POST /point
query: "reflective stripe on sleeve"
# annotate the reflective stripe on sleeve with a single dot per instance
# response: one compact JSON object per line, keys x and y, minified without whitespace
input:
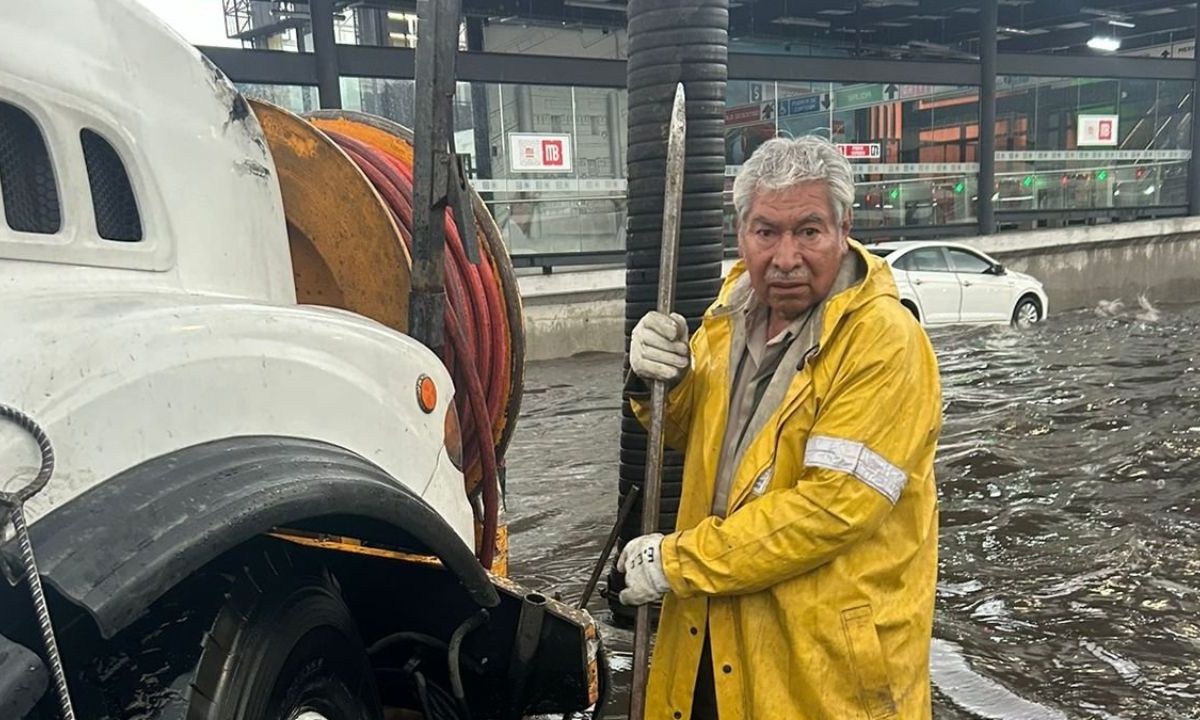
{"x":858,"y":460}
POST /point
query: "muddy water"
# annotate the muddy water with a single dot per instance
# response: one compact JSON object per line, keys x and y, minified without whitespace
{"x":1069,"y":476}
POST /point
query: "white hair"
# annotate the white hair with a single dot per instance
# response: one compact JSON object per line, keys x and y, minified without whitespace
{"x":781,"y":163}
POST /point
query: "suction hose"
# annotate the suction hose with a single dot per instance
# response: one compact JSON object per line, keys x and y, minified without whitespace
{"x":477,"y":350}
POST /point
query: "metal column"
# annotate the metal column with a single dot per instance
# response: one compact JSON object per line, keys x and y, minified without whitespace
{"x":325,"y":52}
{"x":1194,"y":163}
{"x":437,"y":50}
{"x":988,"y":18}
{"x":480,"y":113}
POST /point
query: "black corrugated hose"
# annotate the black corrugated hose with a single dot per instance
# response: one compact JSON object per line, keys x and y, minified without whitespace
{"x":671,"y":41}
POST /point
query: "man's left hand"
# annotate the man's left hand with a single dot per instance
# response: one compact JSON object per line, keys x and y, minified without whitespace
{"x":641,"y":560}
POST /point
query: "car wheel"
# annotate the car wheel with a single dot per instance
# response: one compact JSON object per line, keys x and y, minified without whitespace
{"x":1027,"y":313}
{"x":284,"y":647}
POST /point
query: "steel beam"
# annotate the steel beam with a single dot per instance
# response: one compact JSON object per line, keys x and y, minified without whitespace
{"x":270,"y":67}
{"x":849,"y":70}
{"x":986,"y":209}
{"x":1107,"y":66}
{"x":325,"y":52}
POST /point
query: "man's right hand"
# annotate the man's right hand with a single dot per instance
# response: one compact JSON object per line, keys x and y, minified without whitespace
{"x":658,"y":348}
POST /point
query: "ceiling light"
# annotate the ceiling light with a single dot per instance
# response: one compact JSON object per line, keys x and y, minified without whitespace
{"x":835,"y":11}
{"x":1072,"y":25}
{"x":1105,"y":43}
{"x":1157,"y":11}
{"x":892,"y":24}
{"x":1012,"y":31}
{"x":1121,"y":23}
{"x":802,"y":22}
{"x":400,"y":16}
{"x":593,"y":5}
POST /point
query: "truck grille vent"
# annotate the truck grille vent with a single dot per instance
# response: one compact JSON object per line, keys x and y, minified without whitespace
{"x":27,"y":183}
{"x":116,"y":208}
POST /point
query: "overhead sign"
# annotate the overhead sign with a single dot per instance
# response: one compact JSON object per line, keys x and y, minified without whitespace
{"x":860,"y":151}
{"x":801,"y":105}
{"x":857,"y":96}
{"x":537,"y":152}
{"x":743,"y":115}
{"x":1097,"y":130}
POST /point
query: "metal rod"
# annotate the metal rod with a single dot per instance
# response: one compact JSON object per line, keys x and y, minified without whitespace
{"x":1193,"y":175}
{"x":989,"y":10}
{"x":652,"y":490}
{"x":627,"y":506}
{"x":437,"y":49}
{"x":329,"y":88}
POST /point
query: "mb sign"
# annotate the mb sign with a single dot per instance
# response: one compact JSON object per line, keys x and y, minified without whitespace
{"x":537,"y":152}
{"x":860,"y":151}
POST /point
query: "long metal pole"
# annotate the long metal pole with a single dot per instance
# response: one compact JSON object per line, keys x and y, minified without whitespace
{"x":1194,"y":163}
{"x":329,"y":87}
{"x":988,"y":18}
{"x":652,"y":489}
{"x":437,"y":50}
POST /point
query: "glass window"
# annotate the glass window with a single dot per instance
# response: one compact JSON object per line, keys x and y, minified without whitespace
{"x":1080,"y":143}
{"x":967,"y":262}
{"x":924,"y":260}
{"x":296,"y":98}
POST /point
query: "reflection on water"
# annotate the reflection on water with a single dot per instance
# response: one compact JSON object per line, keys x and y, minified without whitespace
{"x":1069,"y":475}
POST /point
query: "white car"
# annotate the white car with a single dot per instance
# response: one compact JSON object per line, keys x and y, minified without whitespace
{"x":945,"y":283}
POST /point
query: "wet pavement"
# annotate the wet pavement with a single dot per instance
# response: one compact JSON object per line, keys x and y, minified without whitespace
{"x":1069,"y":476}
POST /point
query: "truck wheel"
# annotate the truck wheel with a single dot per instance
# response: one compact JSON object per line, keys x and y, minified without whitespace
{"x":284,"y":647}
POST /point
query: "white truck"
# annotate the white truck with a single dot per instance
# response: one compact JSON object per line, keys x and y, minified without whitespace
{"x":252,"y":515}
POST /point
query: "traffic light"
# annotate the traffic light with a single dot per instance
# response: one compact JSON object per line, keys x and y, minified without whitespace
{"x":959,"y":187}
{"x":1028,"y":181}
{"x":1102,"y":175}
{"x":895,"y":193}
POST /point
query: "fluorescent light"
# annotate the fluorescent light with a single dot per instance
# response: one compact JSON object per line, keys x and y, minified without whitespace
{"x":1105,"y":43}
{"x":1148,"y":191}
{"x":1122,"y":23}
{"x":593,"y":5}
{"x":803,"y":22}
{"x":835,"y":11}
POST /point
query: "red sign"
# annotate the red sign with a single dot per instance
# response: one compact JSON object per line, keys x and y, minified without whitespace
{"x":869,"y":151}
{"x":738,"y":116}
{"x":552,"y":153}
{"x":1106,"y":130}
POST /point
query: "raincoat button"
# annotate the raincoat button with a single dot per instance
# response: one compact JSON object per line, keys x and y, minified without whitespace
{"x":695,"y":631}
{"x":728,"y":669}
{"x":678,"y":715}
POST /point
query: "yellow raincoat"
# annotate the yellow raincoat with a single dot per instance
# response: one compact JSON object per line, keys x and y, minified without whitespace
{"x":818,"y":586}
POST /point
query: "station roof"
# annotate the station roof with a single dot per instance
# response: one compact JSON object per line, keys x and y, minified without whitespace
{"x":947,"y":29}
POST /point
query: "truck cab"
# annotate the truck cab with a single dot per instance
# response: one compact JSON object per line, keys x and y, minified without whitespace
{"x":274,"y":486}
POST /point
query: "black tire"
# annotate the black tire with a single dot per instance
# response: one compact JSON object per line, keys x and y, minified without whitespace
{"x":636,"y":259}
{"x":651,"y":240}
{"x":658,"y":131}
{"x":657,"y":167}
{"x":1027,"y":307}
{"x":685,"y":273}
{"x":284,"y":642}
{"x":693,"y":290}
{"x":660,"y":112}
{"x":678,"y":36}
{"x":716,"y":15}
{"x":690,"y":219}
{"x":692,"y":185}
{"x":637,"y":206}
{"x":715,"y":54}
{"x":665,"y":92}
{"x":657,"y":150}
{"x":674,"y":73}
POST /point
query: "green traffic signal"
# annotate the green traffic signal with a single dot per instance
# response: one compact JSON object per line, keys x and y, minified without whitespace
{"x":959,"y":187}
{"x":895,"y":193}
{"x":1027,"y":181}
{"x":1102,"y":175}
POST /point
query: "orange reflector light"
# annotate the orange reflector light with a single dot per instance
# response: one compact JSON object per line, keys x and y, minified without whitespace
{"x":426,"y":393}
{"x":453,"y":437}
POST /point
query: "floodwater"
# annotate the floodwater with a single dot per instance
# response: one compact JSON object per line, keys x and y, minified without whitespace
{"x":1069,"y":477}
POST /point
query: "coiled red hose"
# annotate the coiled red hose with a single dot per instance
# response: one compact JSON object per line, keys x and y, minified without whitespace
{"x":476,"y":348}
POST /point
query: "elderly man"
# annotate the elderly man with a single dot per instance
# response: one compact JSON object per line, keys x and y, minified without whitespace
{"x":800,"y":581}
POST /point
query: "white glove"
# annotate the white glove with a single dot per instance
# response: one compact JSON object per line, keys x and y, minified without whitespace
{"x":658,"y":348}
{"x":645,"y":581}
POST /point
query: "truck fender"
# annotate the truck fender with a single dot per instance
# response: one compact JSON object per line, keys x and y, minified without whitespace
{"x":121,"y":545}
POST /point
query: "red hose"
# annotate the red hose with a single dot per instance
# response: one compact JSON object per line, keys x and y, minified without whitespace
{"x":476,"y":348}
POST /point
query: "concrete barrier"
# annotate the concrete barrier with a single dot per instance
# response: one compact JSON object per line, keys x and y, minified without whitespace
{"x":584,"y":310}
{"x":1081,"y":266}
